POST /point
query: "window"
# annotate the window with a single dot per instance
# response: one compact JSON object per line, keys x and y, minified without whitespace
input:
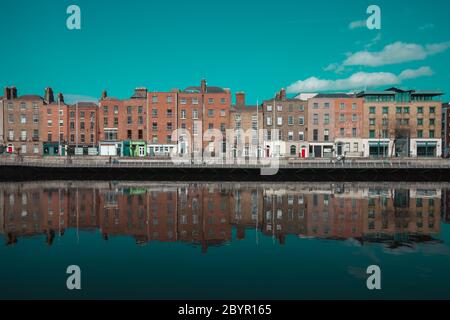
{"x":432,"y":122}
{"x":36,"y":148}
{"x":398,"y":110}
{"x":155,"y":126}
{"x":269,"y":121}
{"x":372,"y":134}
{"x":82,"y":114}
{"x":301,"y":108}
{"x":210,"y":100}
{"x":327,"y":105}
{"x":385,"y":110}
{"x":105,"y":121}
{"x":35,"y":118}
{"x":326,"y":118}
{"x":280,"y":121}
{"x":372,"y":110}
{"x":279,"y":108}
{"x":222,"y":127}
{"x":169,"y":138}
{"x":23,"y":106}
{"x":35,"y":134}
{"x":154,"y":113}
{"x":169,"y":99}
{"x":140,"y":110}
{"x":290,"y":136}
{"x":82,"y":138}
{"x":82,"y":126}
{"x":301,"y":121}
{"x":326,"y":135}
{"x":154,"y":99}
{"x":315,"y":105}
{"x":72,"y":114}
{"x":301,"y":136}
{"x":194,"y":100}
{"x":293,"y":150}
{"x":116,"y":109}
{"x":11,"y":134}
{"x":129,"y":120}
{"x":341,"y":132}
{"x":223,"y":100}
{"x":431,"y":134}
{"x":10,"y":118}
{"x":419,"y":133}
{"x":49,"y":136}
{"x":420,"y":110}
{"x":129,"y":134}
{"x":291,"y":108}
{"x":432,"y":110}
{"x":169,"y":126}
{"x":72,"y":125}
{"x":116,"y":121}
{"x":140,"y":134}
{"x":183,"y":113}
{"x":406,"y":110}
{"x":342,"y":117}
{"x":371,"y":122}
{"x":269,"y":108}
{"x":354,"y":106}
{"x":194,"y":114}
{"x":23,"y":119}
{"x":72,"y":138}
{"x":23,"y":148}
{"x":169,"y":112}
{"x":10,"y":106}
{"x":23,"y":135}
{"x":342,"y":106}
{"x":183,"y":100}
{"x":210,"y":126}
{"x":354,"y":117}
{"x":315,"y":135}
{"x":420,"y":122}
{"x":222,"y":113}
{"x":141,"y":120}
{"x":315,"y":118}
{"x":354,"y":132}
{"x":105,"y":109}
{"x":290,"y":120}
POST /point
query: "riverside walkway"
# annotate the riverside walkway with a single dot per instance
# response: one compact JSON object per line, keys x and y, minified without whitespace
{"x":284,"y":170}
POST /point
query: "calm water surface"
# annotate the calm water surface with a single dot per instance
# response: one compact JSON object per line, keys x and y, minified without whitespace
{"x":159,"y":240}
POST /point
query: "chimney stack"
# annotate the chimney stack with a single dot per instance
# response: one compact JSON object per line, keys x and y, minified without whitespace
{"x":240,"y":99}
{"x":203,"y":86}
{"x":140,"y":92}
{"x":61,"y":97}
{"x":49,"y":98}
{"x":7,"y":93}
{"x":104,"y":94}
{"x":283,"y":94}
{"x":13,"y":92}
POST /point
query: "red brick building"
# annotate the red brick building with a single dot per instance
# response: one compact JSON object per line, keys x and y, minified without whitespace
{"x":21,"y":122}
{"x":83,"y":132}
{"x":122,"y":124}
{"x":53,"y":124}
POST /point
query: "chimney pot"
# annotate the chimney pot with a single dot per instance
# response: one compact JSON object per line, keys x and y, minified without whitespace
{"x":13,"y":93}
{"x":240,"y":99}
{"x":203,"y":86}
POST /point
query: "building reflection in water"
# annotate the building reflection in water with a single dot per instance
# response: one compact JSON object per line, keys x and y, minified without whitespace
{"x":204,"y":214}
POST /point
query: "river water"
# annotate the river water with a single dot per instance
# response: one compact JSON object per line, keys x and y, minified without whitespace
{"x":244,"y":240}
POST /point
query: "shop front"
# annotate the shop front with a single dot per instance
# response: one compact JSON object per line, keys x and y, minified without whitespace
{"x":426,"y":148}
{"x":134,"y":149}
{"x":379,"y":148}
{"x":113,"y":149}
{"x":323,"y":150}
{"x":51,"y":148}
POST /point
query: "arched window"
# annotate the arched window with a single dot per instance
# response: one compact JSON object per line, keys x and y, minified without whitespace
{"x":293,"y":150}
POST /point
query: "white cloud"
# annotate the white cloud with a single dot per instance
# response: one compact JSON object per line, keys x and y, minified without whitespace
{"x":357,"y":24}
{"x":74,"y":98}
{"x":428,"y":26}
{"x":412,"y":74}
{"x":373,"y":41}
{"x":395,"y":53}
{"x":358,"y":80}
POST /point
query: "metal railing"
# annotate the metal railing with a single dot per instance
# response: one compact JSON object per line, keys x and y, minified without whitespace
{"x":280,"y":163}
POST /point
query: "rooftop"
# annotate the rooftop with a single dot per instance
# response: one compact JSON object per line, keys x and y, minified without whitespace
{"x":30,"y":97}
{"x":333,"y":95}
{"x":208,"y":90}
{"x":394,"y":91}
{"x":240,"y":108}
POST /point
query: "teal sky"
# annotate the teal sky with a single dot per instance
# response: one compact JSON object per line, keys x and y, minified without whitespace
{"x":254,"y":46}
